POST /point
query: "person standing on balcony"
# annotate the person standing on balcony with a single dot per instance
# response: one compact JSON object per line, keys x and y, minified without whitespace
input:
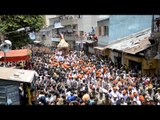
{"x":93,"y":31}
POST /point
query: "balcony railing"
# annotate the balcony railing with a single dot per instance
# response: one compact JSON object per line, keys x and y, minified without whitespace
{"x":69,"y":22}
{"x":70,"y":37}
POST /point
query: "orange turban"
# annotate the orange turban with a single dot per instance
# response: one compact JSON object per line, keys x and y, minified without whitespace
{"x":130,"y":87}
{"x":86,"y":97}
{"x":115,"y":81}
{"x":141,"y":98}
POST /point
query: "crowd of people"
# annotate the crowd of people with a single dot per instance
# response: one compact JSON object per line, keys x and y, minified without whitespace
{"x":78,"y":79}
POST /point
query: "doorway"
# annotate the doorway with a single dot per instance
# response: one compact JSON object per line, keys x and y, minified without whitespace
{"x":117,"y":61}
{"x":135,"y":66}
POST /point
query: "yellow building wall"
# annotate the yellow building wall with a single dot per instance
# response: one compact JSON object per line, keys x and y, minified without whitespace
{"x":133,"y":58}
{"x":106,"y":52}
{"x":150,"y":66}
{"x":147,"y":66}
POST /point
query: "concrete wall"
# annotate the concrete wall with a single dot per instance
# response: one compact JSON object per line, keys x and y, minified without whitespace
{"x":86,"y":22}
{"x":124,"y":25}
{"x":47,"y":17}
{"x":148,"y":67}
{"x":102,"y":40}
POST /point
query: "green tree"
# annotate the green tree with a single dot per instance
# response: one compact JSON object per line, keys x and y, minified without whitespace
{"x":10,"y":23}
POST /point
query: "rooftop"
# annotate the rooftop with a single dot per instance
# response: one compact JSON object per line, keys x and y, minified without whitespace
{"x":17,"y":75}
{"x":132,"y":44}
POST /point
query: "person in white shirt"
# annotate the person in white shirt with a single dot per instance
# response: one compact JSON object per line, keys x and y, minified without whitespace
{"x":114,"y":100}
{"x":101,"y":98}
{"x":122,"y":102}
{"x":115,"y":92}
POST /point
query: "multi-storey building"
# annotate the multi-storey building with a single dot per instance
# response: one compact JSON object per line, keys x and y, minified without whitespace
{"x":119,"y":26}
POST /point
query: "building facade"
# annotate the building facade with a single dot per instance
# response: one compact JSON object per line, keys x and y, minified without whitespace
{"x":154,"y":39}
{"x":119,"y":26}
{"x":73,"y":27}
{"x":124,"y":25}
{"x":47,"y":18}
{"x":102,"y":32}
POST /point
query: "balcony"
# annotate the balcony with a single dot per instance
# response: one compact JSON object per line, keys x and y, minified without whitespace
{"x":70,"y":37}
{"x":66,"y":22}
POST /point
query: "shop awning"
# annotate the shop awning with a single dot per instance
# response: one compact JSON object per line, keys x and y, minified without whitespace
{"x":16,"y":55}
{"x":17,"y":75}
{"x":132,"y":44}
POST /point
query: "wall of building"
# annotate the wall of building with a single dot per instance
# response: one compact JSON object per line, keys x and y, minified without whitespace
{"x":124,"y":25}
{"x":148,"y":67}
{"x":86,"y":22}
{"x":102,"y":39}
{"x":53,"y":20}
{"x":47,"y":17}
{"x":113,"y":54}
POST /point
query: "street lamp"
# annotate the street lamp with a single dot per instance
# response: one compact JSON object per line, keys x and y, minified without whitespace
{"x":19,"y":30}
{"x":5,"y":47}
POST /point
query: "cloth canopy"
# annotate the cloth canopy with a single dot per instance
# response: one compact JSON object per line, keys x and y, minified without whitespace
{"x":16,"y":55}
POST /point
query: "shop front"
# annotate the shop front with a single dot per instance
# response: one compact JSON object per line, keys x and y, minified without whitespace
{"x":99,"y":51}
{"x":147,"y":67}
{"x":10,"y":82}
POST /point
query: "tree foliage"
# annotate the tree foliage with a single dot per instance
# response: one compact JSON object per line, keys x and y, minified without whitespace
{"x":10,"y":23}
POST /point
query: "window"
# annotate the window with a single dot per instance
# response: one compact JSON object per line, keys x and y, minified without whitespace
{"x":81,"y":33}
{"x":74,"y":26}
{"x":100,"y":31}
{"x":105,"y":28}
